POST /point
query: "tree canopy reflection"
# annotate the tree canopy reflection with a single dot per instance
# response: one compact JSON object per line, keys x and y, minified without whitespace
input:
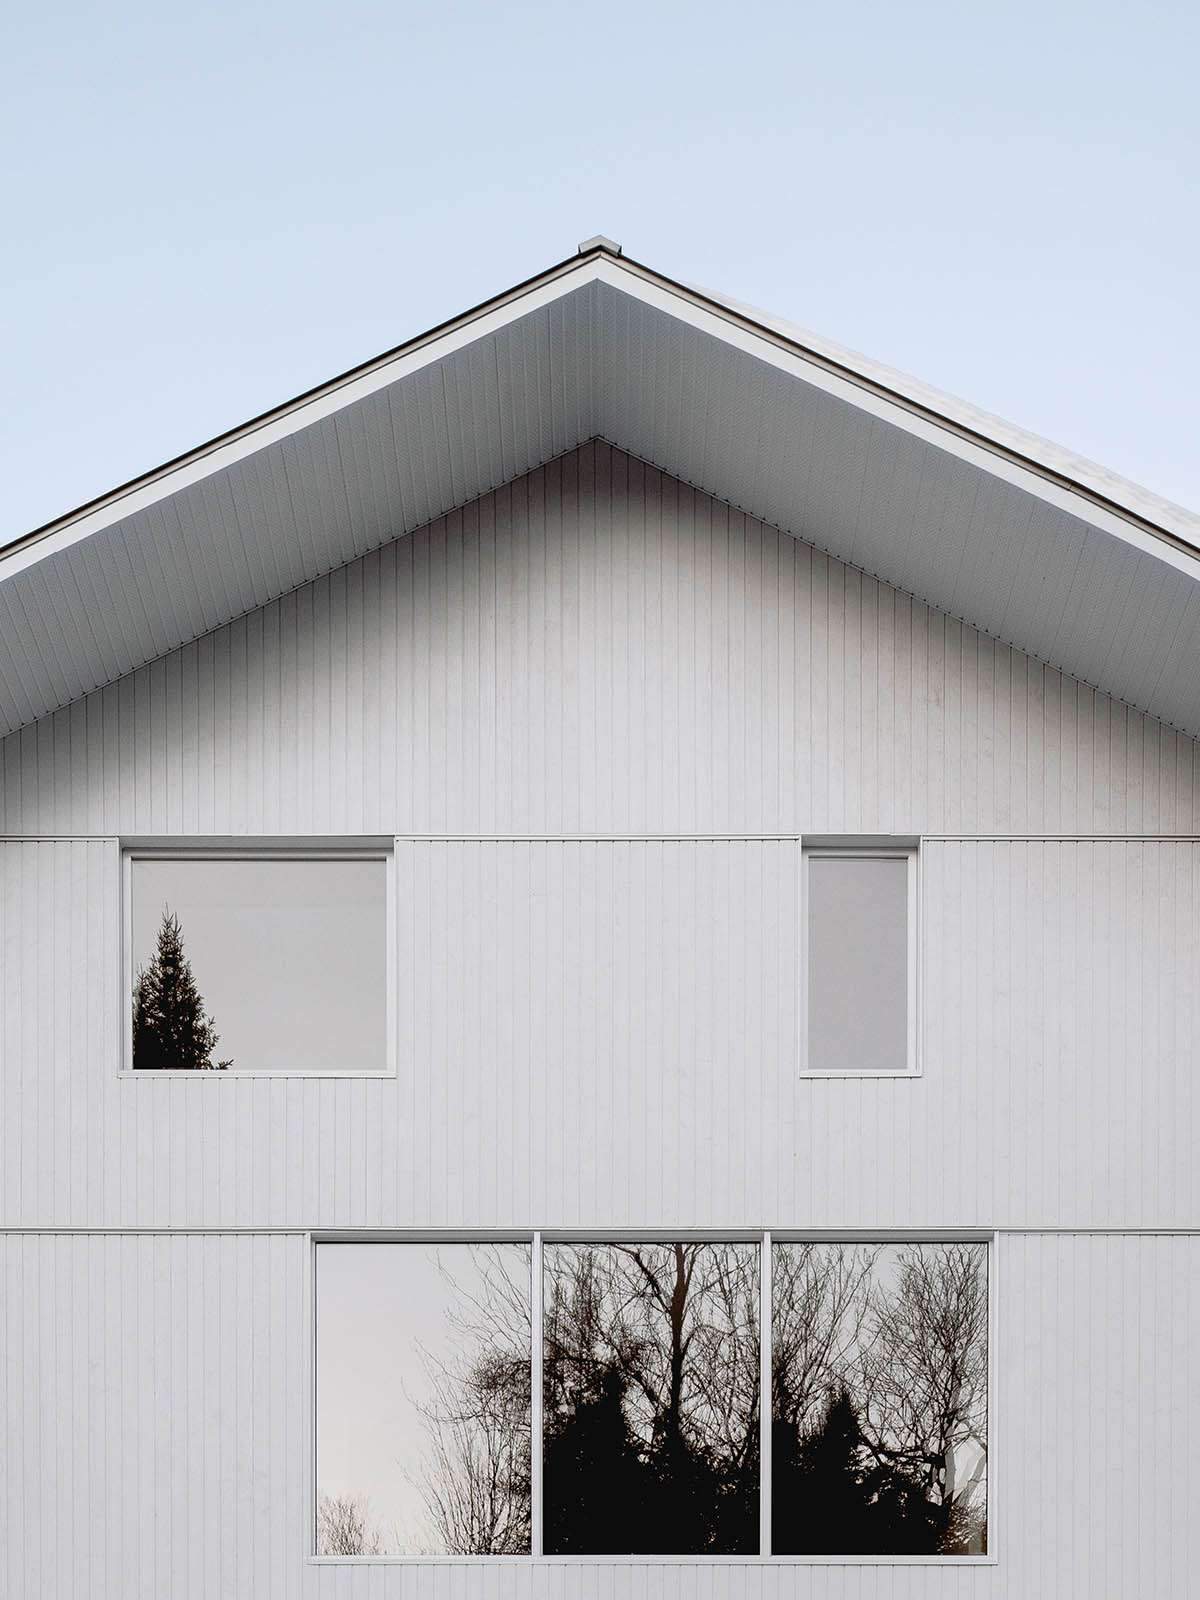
{"x":651,"y":1393}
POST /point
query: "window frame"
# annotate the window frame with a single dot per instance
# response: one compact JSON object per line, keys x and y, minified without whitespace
{"x":766,"y":1239}
{"x":866,"y":850}
{"x":249,"y":850}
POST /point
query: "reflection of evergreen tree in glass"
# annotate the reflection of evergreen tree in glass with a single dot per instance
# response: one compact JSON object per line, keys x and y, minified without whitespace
{"x":834,"y":1495}
{"x":171,"y":1029}
{"x":600,"y":1497}
{"x":650,"y":1392}
{"x":820,"y":1501}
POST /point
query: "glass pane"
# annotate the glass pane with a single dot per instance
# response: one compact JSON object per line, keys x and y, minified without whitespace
{"x":651,"y":1385}
{"x":879,"y":1399}
{"x":857,"y":964}
{"x":423,"y":1386}
{"x":244,"y":964}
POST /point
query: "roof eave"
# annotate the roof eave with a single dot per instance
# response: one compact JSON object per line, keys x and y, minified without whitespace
{"x":288,"y":408}
{"x":843,"y":367}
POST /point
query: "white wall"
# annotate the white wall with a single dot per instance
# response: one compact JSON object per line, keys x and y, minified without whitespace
{"x":600,"y":1033}
{"x":596,"y":647}
{"x":607,"y":1033}
{"x":156,"y":1418}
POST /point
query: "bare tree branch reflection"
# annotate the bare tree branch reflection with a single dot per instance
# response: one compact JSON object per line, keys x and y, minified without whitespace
{"x":476,"y":1480}
{"x":879,"y":1376}
{"x":879,"y":1398}
{"x":651,"y":1398}
{"x":345,"y":1527}
{"x":819,"y":1308}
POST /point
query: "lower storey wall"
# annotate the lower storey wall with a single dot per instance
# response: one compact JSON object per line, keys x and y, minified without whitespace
{"x":156,"y":1413}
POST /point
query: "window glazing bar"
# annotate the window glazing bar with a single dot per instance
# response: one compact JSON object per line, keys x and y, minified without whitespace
{"x":536,"y":1405}
{"x":764,"y":1398}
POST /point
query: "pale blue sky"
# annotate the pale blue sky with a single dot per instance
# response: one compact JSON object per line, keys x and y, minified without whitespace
{"x":211,"y":207}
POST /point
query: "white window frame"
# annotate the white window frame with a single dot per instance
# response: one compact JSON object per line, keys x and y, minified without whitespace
{"x":867,"y":850}
{"x":333,"y":850}
{"x":765,"y":1238}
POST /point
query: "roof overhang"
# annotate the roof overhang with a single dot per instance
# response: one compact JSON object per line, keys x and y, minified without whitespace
{"x":987,"y":523}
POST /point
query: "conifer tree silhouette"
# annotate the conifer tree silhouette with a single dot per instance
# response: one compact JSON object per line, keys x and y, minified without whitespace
{"x":172,"y":1031}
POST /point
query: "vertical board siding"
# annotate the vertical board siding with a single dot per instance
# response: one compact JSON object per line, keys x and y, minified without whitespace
{"x":596,"y":647}
{"x":599,"y":1033}
{"x":154,"y":1415}
{"x":65,"y":1148}
{"x":607,"y":1033}
{"x":1061,"y":1013}
{"x":156,"y":1418}
{"x":1098,"y":1415}
{"x":339,"y":486}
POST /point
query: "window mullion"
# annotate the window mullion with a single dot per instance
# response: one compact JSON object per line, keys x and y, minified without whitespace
{"x":764,"y":1398}
{"x":536,"y":1407}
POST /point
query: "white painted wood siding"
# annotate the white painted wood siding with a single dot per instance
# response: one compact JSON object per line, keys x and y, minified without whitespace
{"x":600,"y":1033}
{"x":596,"y":647}
{"x":156,"y":1420}
{"x":154,"y":1415}
{"x":607,"y":1033}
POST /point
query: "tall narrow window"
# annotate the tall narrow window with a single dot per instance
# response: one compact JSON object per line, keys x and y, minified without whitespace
{"x":424,"y":1357}
{"x":879,"y":1387}
{"x":258,"y":963}
{"x":859,"y":938}
{"x":651,"y":1396}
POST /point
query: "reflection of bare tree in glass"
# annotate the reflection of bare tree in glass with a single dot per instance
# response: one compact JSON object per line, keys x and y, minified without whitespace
{"x":476,"y":1481}
{"x":345,"y":1527}
{"x":651,"y":1396}
{"x":879,"y":1398}
{"x":819,"y":1299}
{"x":924,"y":1375}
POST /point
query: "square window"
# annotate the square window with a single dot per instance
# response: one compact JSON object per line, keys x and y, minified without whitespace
{"x":860,"y":959}
{"x":258,"y":962}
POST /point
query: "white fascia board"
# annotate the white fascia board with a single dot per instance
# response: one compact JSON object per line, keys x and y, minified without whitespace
{"x":723,"y":322}
{"x":254,"y":437}
{"x":765,"y":345}
{"x":1129,"y":497}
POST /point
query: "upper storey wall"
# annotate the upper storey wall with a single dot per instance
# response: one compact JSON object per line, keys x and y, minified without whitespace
{"x":597,"y":648}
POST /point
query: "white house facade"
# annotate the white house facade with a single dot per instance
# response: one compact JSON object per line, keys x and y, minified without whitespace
{"x":599,"y":990}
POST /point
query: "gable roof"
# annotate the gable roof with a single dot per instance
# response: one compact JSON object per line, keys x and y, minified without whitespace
{"x":1014,"y":535}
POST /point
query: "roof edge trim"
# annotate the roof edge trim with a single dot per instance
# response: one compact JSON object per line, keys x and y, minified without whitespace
{"x":917,"y":408}
{"x":599,"y":258}
{"x":144,"y":480}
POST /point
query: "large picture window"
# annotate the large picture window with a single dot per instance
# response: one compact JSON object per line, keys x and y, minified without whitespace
{"x":258,"y":961}
{"x":576,"y":1399}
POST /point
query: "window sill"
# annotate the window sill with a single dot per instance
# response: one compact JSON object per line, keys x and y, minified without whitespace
{"x":654,"y":1561}
{"x":850,"y":1072}
{"x":355,"y":1075}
